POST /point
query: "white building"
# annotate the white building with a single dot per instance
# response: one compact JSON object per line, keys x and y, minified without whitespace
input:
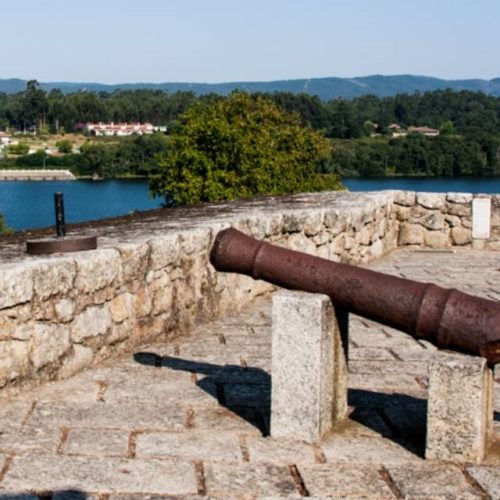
{"x":5,"y":138}
{"x":119,"y":129}
{"x":429,"y":132}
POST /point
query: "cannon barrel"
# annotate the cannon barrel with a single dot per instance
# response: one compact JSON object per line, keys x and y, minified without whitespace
{"x":448,"y":318}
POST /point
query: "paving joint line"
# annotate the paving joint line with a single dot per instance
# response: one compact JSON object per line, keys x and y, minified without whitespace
{"x":189,"y":422}
{"x":474,"y":484}
{"x":422,"y":383}
{"x":102,"y":386}
{"x":6,"y":465}
{"x":29,"y":413}
{"x":244,"y":448}
{"x":132,"y":444}
{"x":319,"y":456}
{"x":386,"y":476}
{"x":63,"y":440}
{"x":201,"y":485}
{"x":394,"y":354}
{"x":298,"y":480}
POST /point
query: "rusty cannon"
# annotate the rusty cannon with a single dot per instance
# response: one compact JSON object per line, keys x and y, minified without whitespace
{"x":447,"y":318}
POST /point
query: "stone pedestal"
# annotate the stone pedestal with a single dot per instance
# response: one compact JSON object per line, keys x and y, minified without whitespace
{"x":460,"y":409}
{"x":309,"y":371}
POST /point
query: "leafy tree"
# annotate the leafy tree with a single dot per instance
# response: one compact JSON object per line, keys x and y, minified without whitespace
{"x":56,"y":109}
{"x":21,"y":148}
{"x":447,"y":128}
{"x":34,"y":160}
{"x":238,"y":147}
{"x":34,"y":105}
{"x":3,"y":228}
{"x":64,"y":146}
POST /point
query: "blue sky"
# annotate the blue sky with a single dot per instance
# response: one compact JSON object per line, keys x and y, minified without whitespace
{"x":113,"y":41}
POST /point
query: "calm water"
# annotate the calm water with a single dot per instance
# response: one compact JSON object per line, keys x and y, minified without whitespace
{"x":426,"y":184}
{"x":31,"y":204}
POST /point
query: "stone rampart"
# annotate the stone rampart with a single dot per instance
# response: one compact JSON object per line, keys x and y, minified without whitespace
{"x":151,"y":277}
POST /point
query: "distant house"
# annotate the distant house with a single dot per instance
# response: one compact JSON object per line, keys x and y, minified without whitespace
{"x":396,"y":130}
{"x":119,"y":129}
{"x":429,"y":132}
{"x":5,"y":138}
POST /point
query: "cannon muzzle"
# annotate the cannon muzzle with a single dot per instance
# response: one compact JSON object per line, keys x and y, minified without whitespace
{"x":447,"y":318}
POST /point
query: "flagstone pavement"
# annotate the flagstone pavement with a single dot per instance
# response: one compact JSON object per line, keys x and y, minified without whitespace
{"x":190,"y":418}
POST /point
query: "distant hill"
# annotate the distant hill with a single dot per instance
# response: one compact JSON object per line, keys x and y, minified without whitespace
{"x":324,"y":88}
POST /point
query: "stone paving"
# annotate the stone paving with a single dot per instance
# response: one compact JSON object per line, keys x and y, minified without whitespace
{"x":190,"y":419}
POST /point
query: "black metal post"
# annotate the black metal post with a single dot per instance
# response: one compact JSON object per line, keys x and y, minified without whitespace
{"x":60,"y":224}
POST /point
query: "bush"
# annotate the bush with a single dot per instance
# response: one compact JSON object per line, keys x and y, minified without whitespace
{"x":21,"y":148}
{"x":41,"y":159}
{"x":64,"y":146}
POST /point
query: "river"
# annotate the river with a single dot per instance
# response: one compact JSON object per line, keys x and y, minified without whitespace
{"x":426,"y":184}
{"x":30,"y":204}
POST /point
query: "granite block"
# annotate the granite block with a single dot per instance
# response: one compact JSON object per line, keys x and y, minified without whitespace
{"x":309,"y":375}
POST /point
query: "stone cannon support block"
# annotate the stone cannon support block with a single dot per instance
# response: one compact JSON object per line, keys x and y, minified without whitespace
{"x":309,"y":372}
{"x":460,"y":409}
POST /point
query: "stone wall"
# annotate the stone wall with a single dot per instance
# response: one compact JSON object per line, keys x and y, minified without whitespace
{"x":151,"y":278}
{"x":439,"y":221}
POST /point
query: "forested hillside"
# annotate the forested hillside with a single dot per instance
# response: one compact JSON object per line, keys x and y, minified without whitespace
{"x":469,"y":124}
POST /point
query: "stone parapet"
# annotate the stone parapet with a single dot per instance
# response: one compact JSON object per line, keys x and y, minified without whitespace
{"x":445,"y":220}
{"x":150,"y":276}
{"x":62,"y":313}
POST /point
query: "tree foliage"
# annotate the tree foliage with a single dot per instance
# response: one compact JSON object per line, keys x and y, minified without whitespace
{"x":238,"y":147}
{"x":415,"y":154}
{"x":469,"y":123}
{"x":64,"y":146}
{"x":130,"y":156}
{"x":3,"y":228}
{"x":21,"y":148}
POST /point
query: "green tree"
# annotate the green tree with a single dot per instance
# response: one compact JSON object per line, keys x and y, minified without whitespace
{"x":447,"y":128}
{"x":3,"y":228}
{"x":64,"y":146}
{"x":56,"y":109}
{"x":238,"y":147}
{"x":34,"y":105}
{"x":21,"y":148}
